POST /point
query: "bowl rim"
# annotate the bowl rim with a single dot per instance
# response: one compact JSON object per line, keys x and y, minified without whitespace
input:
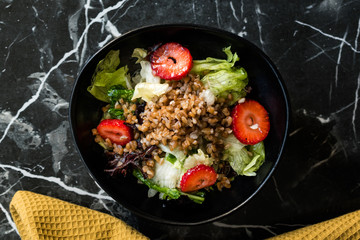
{"x":194,"y":27}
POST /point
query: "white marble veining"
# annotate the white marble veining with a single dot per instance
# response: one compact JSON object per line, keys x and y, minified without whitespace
{"x":49,"y":97}
{"x":258,"y":20}
{"x":339,"y":59}
{"x":329,"y":35}
{"x":111,"y":28}
{"x":233,"y":11}
{"x":356,"y":100}
{"x":264,"y":227}
{"x":9,"y":219}
{"x":105,"y":41}
{"x":56,"y":181}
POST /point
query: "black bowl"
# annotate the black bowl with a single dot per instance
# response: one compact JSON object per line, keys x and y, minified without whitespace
{"x":267,"y":87}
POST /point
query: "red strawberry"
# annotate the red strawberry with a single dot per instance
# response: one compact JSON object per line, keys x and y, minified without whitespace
{"x":171,"y":61}
{"x":115,"y":130}
{"x":250,"y":122}
{"x":198,"y":177}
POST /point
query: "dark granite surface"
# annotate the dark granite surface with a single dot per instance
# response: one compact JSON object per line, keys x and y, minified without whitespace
{"x":315,"y":45}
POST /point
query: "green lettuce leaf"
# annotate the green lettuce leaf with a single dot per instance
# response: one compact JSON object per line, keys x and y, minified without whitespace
{"x":244,"y":160}
{"x":221,"y":76}
{"x":214,"y":64}
{"x":223,"y":82}
{"x":107,"y":74}
{"x":110,"y":62}
{"x":140,"y":54}
{"x":258,"y":152}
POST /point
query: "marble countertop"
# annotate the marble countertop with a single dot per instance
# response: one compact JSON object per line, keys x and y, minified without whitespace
{"x":315,"y":45}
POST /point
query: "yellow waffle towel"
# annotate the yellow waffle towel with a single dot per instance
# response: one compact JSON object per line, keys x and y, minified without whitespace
{"x":344,"y":227}
{"x":40,"y":217}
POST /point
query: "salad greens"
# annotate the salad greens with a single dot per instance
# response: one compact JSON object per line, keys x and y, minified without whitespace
{"x":147,"y":91}
{"x":221,"y":76}
{"x":196,"y":159}
{"x":171,"y":158}
{"x":169,"y":193}
{"x":201,"y":67}
{"x":166,"y":175}
{"x":149,"y":85}
{"x":118,"y":91}
{"x":224,"y":82}
{"x":258,"y":151}
{"x":114,"y":94}
{"x":179,"y":155}
{"x":116,"y":113}
{"x":107,"y":74}
{"x":140,"y":54}
{"x":243,"y":159}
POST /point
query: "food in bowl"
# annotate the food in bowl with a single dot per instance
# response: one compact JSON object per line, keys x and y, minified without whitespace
{"x":180,"y":126}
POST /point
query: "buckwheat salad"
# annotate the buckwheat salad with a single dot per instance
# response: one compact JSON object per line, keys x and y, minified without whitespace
{"x":182,"y":127}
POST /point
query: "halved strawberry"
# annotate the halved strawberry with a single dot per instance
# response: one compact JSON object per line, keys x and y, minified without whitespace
{"x":115,"y":130}
{"x":250,"y":122}
{"x":171,"y":61}
{"x":198,"y":177}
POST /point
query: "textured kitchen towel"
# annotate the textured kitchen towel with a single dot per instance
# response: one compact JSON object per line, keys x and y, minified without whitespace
{"x":344,"y":227}
{"x":40,"y":217}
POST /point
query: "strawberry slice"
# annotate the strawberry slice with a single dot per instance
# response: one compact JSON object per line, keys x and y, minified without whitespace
{"x":198,"y":177}
{"x":115,"y":130}
{"x":250,"y":122}
{"x":171,"y":61}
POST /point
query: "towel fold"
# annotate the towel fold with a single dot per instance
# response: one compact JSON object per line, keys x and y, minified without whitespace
{"x":344,"y":227}
{"x":41,"y":217}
